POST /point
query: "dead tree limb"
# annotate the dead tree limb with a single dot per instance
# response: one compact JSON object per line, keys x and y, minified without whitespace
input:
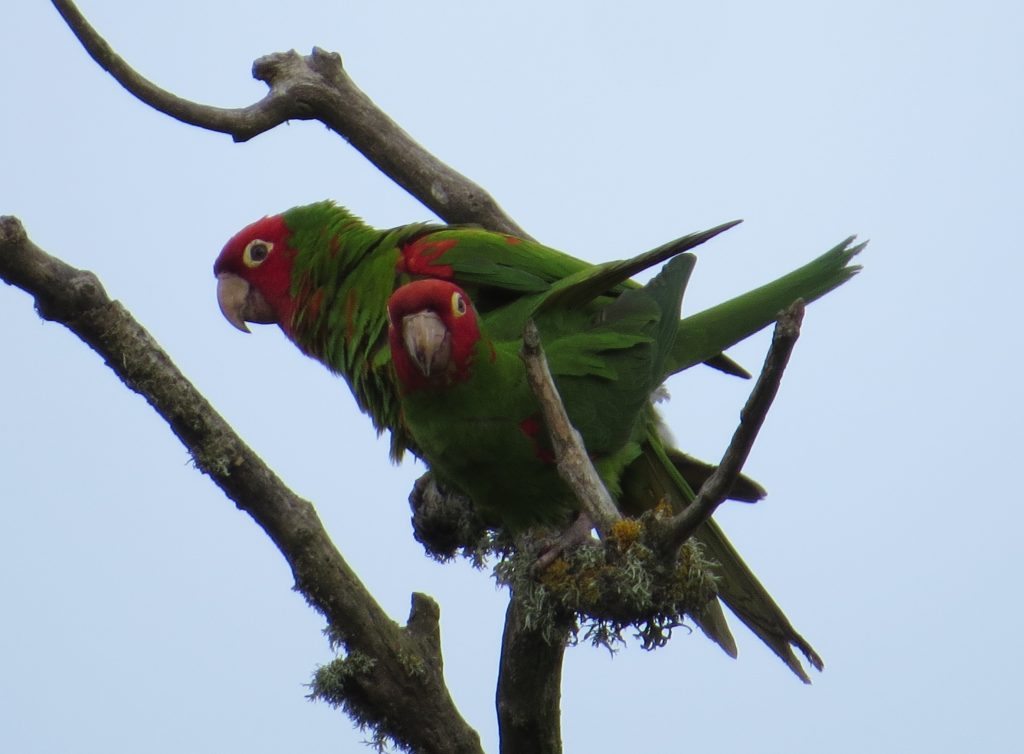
{"x":391,"y":678}
{"x":574,"y":464}
{"x":717,"y":486}
{"x":313,"y":87}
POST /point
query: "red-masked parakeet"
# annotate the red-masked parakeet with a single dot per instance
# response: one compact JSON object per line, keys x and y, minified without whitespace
{"x":325,"y":277}
{"x":467,"y":405}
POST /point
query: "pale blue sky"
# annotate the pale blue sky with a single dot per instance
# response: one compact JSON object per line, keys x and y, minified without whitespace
{"x":142,"y":612}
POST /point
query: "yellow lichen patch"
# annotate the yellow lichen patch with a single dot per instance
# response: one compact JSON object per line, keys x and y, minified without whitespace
{"x":625,"y":532}
{"x":556,"y":574}
{"x":663,"y":509}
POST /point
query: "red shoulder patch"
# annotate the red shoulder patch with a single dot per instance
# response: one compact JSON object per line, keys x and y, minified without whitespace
{"x":533,"y":429}
{"x":419,"y":257}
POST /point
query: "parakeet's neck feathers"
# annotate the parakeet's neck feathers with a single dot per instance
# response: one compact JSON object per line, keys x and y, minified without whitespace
{"x":343,"y":273}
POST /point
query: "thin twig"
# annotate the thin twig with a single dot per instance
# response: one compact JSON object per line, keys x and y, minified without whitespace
{"x":241,"y":123}
{"x":574,"y":464}
{"x":717,"y":486}
{"x":413,"y":708}
{"x":314,"y":87}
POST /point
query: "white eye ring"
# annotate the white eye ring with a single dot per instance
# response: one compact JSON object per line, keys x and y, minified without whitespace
{"x":458,"y":304}
{"x":256,"y":252}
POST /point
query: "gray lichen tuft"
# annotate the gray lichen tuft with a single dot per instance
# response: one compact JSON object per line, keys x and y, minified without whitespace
{"x":216,"y":456}
{"x":340,"y":684}
{"x":601,"y":590}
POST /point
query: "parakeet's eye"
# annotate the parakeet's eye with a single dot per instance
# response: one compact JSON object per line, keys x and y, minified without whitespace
{"x":458,"y":304}
{"x":255,"y":252}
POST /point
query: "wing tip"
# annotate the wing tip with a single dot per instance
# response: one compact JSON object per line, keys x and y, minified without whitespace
{"x":785,"y":651}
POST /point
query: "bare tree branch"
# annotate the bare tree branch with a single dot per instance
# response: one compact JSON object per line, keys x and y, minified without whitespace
{"x":241,"y":123}
{"x":392,"y":676}
{"x":314,"y":87}
{"x":717,"y":486}
{"x":574,"y":464}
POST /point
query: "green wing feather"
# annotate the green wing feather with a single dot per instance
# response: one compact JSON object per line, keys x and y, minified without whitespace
{"x":625,"y":344}
{"x":588,"y":284}
{"x":497,"y":262}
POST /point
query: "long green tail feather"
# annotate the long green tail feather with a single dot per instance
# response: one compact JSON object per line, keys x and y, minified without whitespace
{"x":745,"y":596}
{"x":654,"y":477}
{"x":705,"y":335}
{"x":712,"y":622}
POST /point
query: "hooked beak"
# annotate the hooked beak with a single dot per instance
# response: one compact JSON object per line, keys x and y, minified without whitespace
{"x":241,"y":303}
{"x":427,"y":342}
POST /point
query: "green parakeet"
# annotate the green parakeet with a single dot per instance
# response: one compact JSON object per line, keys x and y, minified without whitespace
{"x":467,"y":404}
{"x":325,"y":277}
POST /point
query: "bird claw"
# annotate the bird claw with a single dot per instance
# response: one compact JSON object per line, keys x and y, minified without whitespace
{"x":577,"y":533}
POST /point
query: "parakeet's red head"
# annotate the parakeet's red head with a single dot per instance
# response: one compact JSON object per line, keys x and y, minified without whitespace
{"x":254,"y":275}
{"x":433,"y":331}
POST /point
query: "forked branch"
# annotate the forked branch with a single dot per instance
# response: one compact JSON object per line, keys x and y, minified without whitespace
{"x":576,"y":469}
{"x":313,"y":87}
{"x":717,"y":486}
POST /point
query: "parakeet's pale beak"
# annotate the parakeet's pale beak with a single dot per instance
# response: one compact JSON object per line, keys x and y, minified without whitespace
{"x":427,"y":342}
{"x":241,"y":303}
